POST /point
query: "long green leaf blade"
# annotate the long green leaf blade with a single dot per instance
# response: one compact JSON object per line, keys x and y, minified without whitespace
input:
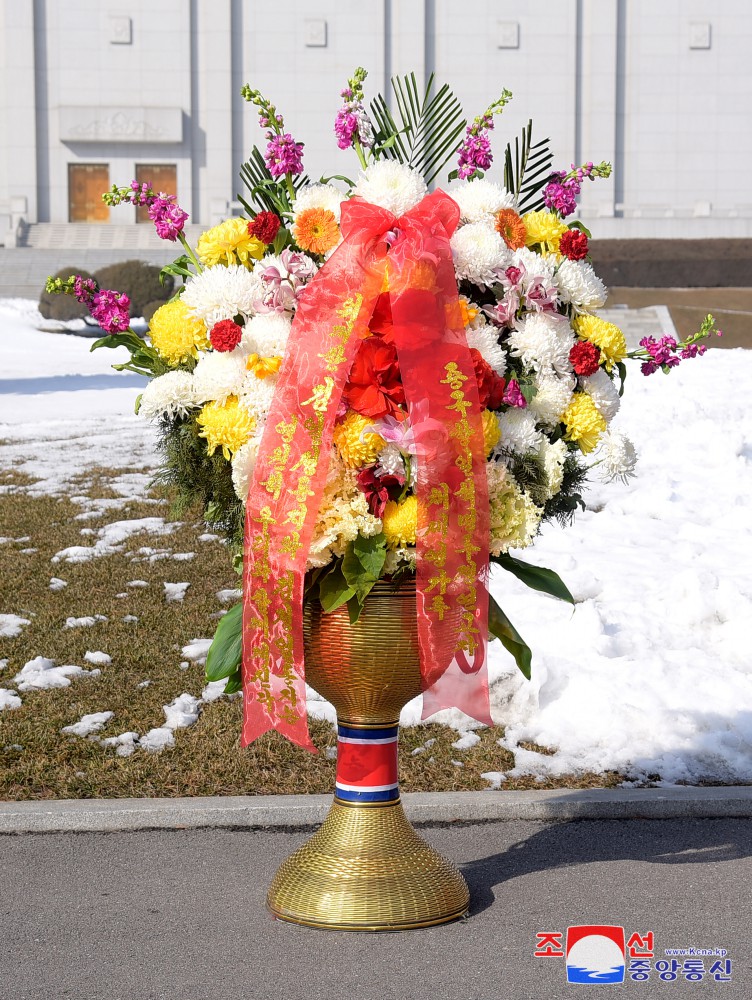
{"x":546,"y":581}
{"x":500,"y":626}
{"x":225,"y":652}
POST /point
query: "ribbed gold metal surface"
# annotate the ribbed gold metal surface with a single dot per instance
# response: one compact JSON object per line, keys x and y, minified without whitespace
{"x":368,"y":670}
{"x":366,"y":868}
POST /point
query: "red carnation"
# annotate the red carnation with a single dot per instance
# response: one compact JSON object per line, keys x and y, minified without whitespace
{"x":574,"y":245}
{"x":378,"y":490}
{"x":265,"y":226}
{"x":380,"y":323}
{"x":585,"y":358}
{"x":374,"y":387}
{"x":225,"y":335}
{"x":490,"y":385}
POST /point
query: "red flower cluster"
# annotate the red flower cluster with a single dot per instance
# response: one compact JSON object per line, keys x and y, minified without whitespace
{"x":264,"y":227}
{"x":378,"y":490}
{"x":585,"y":358}
{"x":374,"y":387}
{"x":225,"y":335}
{"x":574,"y":244}
{"x":490,"y":385}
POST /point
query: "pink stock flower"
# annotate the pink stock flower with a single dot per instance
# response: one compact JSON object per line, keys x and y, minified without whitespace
{"x":84,"y":289}
{"x":284,"y":155}
{"x":111,"y":310}
{"x":513,"y":395}
{"x":168,"y":217}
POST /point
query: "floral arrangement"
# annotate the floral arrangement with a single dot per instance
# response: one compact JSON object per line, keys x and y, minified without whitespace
{"x":549,"y":371}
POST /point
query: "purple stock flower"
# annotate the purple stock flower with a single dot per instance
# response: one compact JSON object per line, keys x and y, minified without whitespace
{"x":84,"y":289}
{"x":561,"y":197}
{"x":284,"y":155}
{"x":168,"y":217}
{"x":111,"y":310}
{"x":513,"y":394}
{"x":475,"y":153}
{"x":345,"y":127}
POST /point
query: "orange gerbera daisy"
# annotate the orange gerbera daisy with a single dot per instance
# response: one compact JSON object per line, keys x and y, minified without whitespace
{"x":511,"y":228}
{"x":316,"y":230}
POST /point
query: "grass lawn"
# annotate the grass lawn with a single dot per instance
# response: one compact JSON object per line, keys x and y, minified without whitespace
{"x":37,"y":761}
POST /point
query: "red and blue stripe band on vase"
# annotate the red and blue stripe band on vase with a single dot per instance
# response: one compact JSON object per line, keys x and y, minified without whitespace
{"x":367,"y":764}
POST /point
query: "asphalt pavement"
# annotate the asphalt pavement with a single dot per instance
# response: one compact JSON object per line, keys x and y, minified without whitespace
{"x":179,"y":914}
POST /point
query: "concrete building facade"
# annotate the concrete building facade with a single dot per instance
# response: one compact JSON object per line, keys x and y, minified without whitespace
{"x":99,"y":91}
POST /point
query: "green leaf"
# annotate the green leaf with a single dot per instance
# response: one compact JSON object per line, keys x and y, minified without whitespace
{"x":527,"y":173}
{"x":430,"y":125}
{"x":536,"y":577}
{"x":337,"y":177}
{"x":582,"y":228}
{"x":334,"y":590}
{"x":234,"y":683}
{"x":363,"y":562}
{"x":354,"y":608}
{"x":622,"y":370}
{"x":501,"y":627}
{"x":226,"y":650}
{"x":128,"y":339}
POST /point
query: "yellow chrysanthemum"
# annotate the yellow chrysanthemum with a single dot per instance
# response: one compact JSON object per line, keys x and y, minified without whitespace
{"x":356,"y":448}
{"x":316,"y":230}
{"x":491,"y":432}
{"x":176,"y":334}
{"x":263,"y":367}
{"x":229,"y":243}
{"x":400,"y":522}
{"x":607,"y":336}
{"x":225,"y":425}
{"x":544,"y":228}
{"x":583,"y":422}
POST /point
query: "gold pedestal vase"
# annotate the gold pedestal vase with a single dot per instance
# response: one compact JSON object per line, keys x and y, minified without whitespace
{"x":366,"y":868}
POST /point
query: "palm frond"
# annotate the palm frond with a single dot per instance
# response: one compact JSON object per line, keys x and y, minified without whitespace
{"x":266,"y":194}
{"x":429,"y":128}
{"x":527,"y":172}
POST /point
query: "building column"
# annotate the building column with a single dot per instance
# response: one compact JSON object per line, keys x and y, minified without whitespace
{"x":18,"y":172}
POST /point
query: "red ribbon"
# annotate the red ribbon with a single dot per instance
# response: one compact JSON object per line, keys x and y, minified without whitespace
{"x":437,"y":372}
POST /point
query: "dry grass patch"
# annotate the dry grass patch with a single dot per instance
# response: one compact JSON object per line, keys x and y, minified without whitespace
{"x":207,"y":758}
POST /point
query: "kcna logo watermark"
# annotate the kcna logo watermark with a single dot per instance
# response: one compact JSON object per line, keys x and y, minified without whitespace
{"x":601,"y":953}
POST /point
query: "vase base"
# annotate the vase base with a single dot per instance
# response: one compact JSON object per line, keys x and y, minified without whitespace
{"x":367,"y":869}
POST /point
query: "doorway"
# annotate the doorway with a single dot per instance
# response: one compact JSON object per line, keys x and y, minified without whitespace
{"x":161,"y":177}
{"x":87,"y":182}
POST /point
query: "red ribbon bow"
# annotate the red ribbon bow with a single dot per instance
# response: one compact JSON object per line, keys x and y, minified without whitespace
{"x":413,"y":254}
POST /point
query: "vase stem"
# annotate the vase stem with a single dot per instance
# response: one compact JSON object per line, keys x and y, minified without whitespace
{"x":367,"y":764}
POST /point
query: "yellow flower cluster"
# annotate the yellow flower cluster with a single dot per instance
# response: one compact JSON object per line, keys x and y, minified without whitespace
{"x":514,"y":518}
{"x":229,"y":243}
{"x":176,"y":334}
{"x":543,"y":228}
{"x":356,"y":448}
{"x":491,"y":432}
{"x":343,"y":515}
{"x":225,"y":425}
{"x":583,"y":422}
{"x":400,"y":522}
{"x":607,"y":336}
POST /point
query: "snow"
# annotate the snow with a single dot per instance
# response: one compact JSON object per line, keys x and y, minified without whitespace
{"x":650,"y":673}
{"x":87,"y":621}
{"x":466,"y":741}
{"x":137,"y":583}
{"x":8,"y":699}
{"x":175,"y":591}
{"x":11,"y":625}
{"x":157,"y":739}
{"x":41,"y":674}
{"x":213,"y":690}
{"x":89,"y":724}
{"x":113,"y":538}
{"x":182,"y":712}
{"x":57,"y":584}
{"x":97,"y":658}
{"x":226,"y":596}
{"x":124,"y":744}
{"x":130,"y":618}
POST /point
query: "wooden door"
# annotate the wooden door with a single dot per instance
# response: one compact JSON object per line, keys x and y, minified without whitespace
{"x":87,"y":182}
{"x":162,"y":178}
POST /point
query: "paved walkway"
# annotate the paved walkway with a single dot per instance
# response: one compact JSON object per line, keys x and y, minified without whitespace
{"x":179,"y":915}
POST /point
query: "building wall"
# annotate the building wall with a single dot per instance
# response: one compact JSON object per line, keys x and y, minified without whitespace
{"x":660,"y":89}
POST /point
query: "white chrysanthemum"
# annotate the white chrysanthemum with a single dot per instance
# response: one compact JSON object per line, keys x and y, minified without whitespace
{"x":243,"y":464}
{"x":324,"y":196}
{"x":518,"y":432}
{"x":266,"y":334}
{"x":485,"y":339}
{"x":480,"y":200}
{"x":617,"y":457}
{"x":552,"y":458}
{"x":513,"y":517}
{"x":535,"y":265}
{"x":399,"y":559}
{"x":542,"y":341}
{"x":552,"y":398}
{"x":168,"y":395}
{"x":391,"y":461}
{"x":343,"y":514}
{"x":256,"y":396}
{"x":478,"y":252}
{"x":219,"y":374}
{"x":221,"y":292}
{"x":391,"y":185}
{"x":579,"y":284}
{"x":603,"y":393}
